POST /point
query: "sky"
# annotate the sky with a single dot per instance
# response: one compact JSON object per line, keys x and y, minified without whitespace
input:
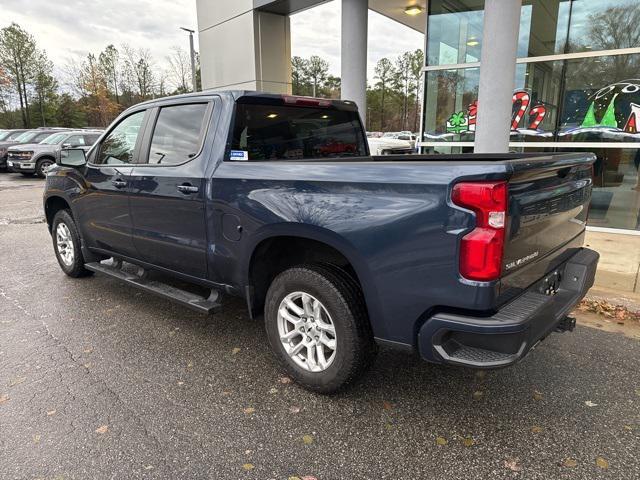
{"x":71,"y":29}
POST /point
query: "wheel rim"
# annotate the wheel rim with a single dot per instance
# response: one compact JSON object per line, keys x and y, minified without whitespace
{"x":44,"y":166}
{"x":64,"y":244}
{"x":307,"y":332}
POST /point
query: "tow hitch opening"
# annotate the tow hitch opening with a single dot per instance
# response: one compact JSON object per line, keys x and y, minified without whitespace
{"x":567,"y":324}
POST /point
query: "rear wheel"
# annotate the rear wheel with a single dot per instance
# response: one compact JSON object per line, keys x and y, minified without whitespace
{"x":42,"y":166}
{"x":317,"y":326}
{"x":67,"y":246}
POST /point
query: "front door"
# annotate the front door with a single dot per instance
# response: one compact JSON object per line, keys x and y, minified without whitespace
{"x":168,"y":191}
{"x":103,"y":205}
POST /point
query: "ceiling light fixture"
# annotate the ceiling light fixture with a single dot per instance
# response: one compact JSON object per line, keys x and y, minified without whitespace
{"x":473,"y":42}
{"x":272,"y":115}
{"x":413,"y":10}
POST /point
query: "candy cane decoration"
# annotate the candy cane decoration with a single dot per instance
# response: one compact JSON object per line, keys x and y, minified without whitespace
{"x":472,"y":110}
{"x":524,"y":98}
{"x":539,"y":111}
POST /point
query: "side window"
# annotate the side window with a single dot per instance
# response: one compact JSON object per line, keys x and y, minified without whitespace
{"x":119,"y":145}
{"x":75,"y":140}
{"x":177,"y":134}
{"x":38,"y":138}
{"x":91,"y":139}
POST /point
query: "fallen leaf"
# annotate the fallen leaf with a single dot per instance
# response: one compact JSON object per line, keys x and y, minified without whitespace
{"x":180,"y":383}
{"x":36,"y":439}
{"x":638,"y":392}
{"x":285,"y":380}
{"x":628,"y":427}
{"x":441,"y":441}
{"x":537,"y":395}
{"x":273,"y":391}
{"x":235,"y":350}
{"x":513,"y":464}
{"x":4,"y":398}
{"x":17,"y":381}
{"x":602,"y":463}
{"x":387,"y":405}
{"x":248,"y":466}
{"x":294,"y":409}
{"x":589,"y":403}
{"x":148,"y":467}
{"x":307,"y":439}
{"x":478,"y":394}
{"x":88,"y":350}
{"x":570,"y":462}
{"x":226,"y":393}
{"x":102,"y":429}
{"x":468,"y":442}
{"x":536,"y":429}
{"x":388,"y":426}
{"x":87,"y":366}
{"x":248,"y":452}
{"x":51,"y":412}
{"x":308,"y":477}
{"x":249,"y":410}
{"x":190,"y":364}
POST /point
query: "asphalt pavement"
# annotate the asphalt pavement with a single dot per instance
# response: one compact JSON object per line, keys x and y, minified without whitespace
{"x":101,"y":381}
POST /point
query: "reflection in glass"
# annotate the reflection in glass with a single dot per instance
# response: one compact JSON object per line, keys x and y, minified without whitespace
{"x":604,"y":25}
{"x":118,"y":146}
{"x":176,"y":137}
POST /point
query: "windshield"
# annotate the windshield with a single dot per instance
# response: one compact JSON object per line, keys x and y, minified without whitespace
{"x":4,"y":135}
{"x":25,"y":137}
{"x":53,"y":139}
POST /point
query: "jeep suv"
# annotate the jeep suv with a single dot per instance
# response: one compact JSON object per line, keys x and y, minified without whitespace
{"x":31,"y":158}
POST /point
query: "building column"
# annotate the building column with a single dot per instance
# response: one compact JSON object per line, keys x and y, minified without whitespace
{"x":242,"y":48}
{"x":497,"y":75}
{"x":354,"y":33}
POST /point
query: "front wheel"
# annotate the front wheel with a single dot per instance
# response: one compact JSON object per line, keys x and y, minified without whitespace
{"x":42,"y":166}
{"x":67,"y":246}
{"x":318,"y":328}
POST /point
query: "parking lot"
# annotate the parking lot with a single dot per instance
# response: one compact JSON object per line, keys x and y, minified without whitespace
{"x":101,"y":381}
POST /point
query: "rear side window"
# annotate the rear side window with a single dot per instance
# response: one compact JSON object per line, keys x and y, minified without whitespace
{"x":177,"y":134}
{"x":283,"y":132}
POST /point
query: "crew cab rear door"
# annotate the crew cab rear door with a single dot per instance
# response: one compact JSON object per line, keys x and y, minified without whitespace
{"x":167,"y":199}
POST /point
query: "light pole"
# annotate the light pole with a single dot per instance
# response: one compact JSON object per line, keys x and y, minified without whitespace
{"x":193,"y":57}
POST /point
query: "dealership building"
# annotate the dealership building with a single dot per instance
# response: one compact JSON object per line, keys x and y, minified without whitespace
{"x":551,"y":75}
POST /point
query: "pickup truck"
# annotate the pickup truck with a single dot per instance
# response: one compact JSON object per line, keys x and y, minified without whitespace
{"x":466,"y":260}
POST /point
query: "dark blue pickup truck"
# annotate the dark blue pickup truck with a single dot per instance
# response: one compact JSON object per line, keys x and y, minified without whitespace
{"x":467,"y":260}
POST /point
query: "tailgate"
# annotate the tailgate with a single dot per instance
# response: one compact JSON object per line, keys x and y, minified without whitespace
{"x":547,"y":213}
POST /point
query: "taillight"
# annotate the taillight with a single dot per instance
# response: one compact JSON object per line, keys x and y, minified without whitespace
{"x":481,"y":250}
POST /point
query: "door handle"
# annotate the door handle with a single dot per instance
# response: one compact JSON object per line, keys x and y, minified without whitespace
{"x":187,"y":188}
{"x":119,"y":183}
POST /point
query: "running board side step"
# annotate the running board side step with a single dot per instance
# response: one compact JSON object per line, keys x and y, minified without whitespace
{"x":141,"y":281}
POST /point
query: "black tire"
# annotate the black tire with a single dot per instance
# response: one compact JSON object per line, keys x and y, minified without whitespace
{"x":343,"y":301}
{"x":75,"y":268}
{"x":41,"y":164}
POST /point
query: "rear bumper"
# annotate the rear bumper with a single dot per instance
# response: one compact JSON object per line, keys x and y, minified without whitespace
{"x":507,"y":336}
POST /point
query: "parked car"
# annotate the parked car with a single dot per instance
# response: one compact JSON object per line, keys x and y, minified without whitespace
{"x":389,"y":146}
{"x":465,"y":259}
{"x":8,"y":138}
{"x":31,"y":158}
{"x":26,"y":137}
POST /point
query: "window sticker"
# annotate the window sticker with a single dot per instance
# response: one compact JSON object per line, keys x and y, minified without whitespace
{"x":239,"y":155}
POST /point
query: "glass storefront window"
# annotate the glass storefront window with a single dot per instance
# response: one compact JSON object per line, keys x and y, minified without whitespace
{"x":455,"y":29}
{"x":604,"y":25}
{"x":451,"y":103}
{"x":615,"y":201}
{"x":601,"y":100}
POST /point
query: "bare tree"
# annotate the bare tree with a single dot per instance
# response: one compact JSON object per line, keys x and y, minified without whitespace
{"x":180,"y":69}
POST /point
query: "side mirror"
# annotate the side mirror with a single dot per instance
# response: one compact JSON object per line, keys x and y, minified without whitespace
{"x":72,"y":157}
